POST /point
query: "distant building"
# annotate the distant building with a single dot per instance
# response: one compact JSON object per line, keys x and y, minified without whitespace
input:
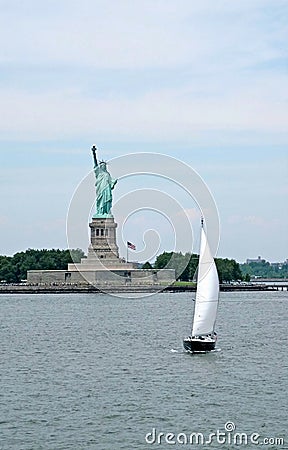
{"x":279,"y":265}
{"x":274,"y":264}
{"x":258,"y":260}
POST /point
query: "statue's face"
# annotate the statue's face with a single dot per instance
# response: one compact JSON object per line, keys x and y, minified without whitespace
{"x":103,"y":166}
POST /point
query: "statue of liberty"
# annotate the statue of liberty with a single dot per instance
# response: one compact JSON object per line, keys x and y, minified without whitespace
{"x":104,"y":186}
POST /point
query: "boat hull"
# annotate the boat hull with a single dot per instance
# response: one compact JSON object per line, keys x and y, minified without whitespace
{"x":199,"y":345}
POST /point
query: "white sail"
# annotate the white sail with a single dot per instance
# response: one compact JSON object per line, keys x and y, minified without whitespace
{"x":207,"y":293}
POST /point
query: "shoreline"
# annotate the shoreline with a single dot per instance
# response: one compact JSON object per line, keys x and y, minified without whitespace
{"x":88,"y":289}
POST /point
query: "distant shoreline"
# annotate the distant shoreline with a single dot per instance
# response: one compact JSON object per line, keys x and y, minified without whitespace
{"x":87,"y":289}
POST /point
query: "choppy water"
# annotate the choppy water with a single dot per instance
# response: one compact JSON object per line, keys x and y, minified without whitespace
{"x":100,"y":372}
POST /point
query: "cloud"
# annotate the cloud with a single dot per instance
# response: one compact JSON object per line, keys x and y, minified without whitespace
{"x":150,"y":70}
{"x":256,"y":222}
{"x":167,"y":114}
{"x":3,"y":220}
{"x":135,"y":34}
{"x":119,"y":34}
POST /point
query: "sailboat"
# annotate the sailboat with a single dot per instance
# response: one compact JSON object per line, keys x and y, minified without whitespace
{"x":203,"y":337}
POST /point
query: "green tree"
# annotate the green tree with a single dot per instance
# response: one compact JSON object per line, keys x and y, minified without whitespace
{"x":186,"y":266}
{"x":264,"y":269}
{"x":163,"y":260}
{"x":193,"y":267}
{"x":147,"y":265}
{"x":247,"y":277}
{"x":228,"y":270}
{"x":8,"y":271}
{"x":177,"y":261}
{"x":14,"y":269}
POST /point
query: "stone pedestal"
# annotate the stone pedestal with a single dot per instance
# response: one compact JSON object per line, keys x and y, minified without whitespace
{"x":103,"y":250}
{"x":103,"y":240}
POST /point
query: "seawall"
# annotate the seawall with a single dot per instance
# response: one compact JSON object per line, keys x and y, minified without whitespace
{"x":87,"y":288}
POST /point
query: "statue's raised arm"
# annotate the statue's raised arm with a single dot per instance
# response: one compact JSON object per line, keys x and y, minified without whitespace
{"x":94,"y":149}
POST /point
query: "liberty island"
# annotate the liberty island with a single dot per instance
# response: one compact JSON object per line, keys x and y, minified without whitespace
{"x":103,"y":267}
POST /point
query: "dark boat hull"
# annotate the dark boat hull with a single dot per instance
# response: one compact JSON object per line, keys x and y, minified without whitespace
{"x":198,"y":345}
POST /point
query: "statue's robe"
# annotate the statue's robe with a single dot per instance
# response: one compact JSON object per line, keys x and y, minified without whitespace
{"x":104,"y":185}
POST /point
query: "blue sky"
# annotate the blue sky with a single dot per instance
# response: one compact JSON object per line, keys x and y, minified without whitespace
{"x":204,"y":82}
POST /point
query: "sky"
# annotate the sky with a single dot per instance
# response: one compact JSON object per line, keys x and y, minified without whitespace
{"x":203,"y":82}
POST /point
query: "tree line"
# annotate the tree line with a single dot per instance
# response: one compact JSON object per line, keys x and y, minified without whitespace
{"x":264,"y":269}
{"x":13,"y":269}
{"x":185,"y":266}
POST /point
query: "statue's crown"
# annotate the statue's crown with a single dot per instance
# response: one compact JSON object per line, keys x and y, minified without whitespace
{"x":102,"y":162}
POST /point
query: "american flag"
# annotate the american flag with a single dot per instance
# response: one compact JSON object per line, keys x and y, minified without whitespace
{"x":130,"y":245}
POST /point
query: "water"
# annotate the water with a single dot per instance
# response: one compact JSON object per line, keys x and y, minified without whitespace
{"x":100,"y":372}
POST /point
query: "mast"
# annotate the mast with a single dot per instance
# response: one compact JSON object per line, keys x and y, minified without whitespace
{"x":197,"y":270}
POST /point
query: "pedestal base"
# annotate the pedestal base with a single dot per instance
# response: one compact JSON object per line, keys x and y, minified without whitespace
{"x":103,"y":267}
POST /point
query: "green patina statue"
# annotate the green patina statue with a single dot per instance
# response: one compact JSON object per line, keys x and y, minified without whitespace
{"x":104,"y":186}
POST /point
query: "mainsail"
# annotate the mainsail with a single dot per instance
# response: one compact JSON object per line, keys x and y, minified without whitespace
{"x":207,"y":293}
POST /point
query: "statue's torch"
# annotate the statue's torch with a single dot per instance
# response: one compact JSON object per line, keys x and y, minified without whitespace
{"x":94,"y":149}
